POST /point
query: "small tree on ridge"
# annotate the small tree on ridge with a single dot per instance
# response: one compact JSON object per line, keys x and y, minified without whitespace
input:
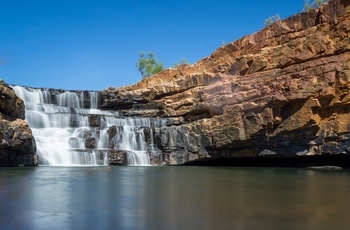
{"x":272,"y":19}
{"x":148,"y":66}
{"x":183,"y":61}
{"x":314,"y":4}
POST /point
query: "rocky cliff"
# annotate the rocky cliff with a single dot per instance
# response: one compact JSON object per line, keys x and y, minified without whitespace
{"x":17,"y":144}
{"x":283,"y":91}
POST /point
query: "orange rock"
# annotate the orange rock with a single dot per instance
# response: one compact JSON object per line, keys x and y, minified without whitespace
{"x":275,"y":90}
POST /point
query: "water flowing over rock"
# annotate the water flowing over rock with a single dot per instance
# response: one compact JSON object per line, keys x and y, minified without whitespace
{"x":70,"y":130}
{"x":283,"y":91}
{"x":17,"y":144}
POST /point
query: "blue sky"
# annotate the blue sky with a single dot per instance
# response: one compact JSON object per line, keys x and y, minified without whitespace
{"x":94,"y":44}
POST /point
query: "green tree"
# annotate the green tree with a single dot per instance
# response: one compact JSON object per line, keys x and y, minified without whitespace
{"x":148,"y":66}
{"x":314,"y":4}
{"x":271,"y":20}
{"x":183,"y":61}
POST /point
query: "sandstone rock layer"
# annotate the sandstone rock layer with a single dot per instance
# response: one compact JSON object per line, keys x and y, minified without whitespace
{"x":282,"y":91}
{"x":17,"y":144}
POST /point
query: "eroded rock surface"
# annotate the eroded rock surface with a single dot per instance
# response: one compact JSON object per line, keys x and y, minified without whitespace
{"x":17,"y":144}
{"x":281,"y":91}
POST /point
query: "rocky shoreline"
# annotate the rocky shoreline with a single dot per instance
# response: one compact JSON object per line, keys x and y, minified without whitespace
{"x":330,"y":162}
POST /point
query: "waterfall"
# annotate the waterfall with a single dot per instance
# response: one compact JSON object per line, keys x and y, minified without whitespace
{"x":93,"y":99}
{"x":67,"y":134}
{"x":69,"y":99}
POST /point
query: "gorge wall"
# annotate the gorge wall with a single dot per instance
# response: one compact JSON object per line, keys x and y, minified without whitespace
{"x":283,"y":91}
{"x":17,"y":144}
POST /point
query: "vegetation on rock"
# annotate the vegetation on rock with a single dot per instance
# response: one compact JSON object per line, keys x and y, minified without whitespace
{"x":183,"y":61}
{"x":272,"y":19}
{"x":307,"y":6}
{"x":148,"y":66}
{"x":314,"y":4}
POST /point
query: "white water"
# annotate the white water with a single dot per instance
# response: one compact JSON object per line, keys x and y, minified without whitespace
{"x":62,"y":130}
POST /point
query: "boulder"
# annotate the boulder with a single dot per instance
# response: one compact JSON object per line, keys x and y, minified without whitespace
{"x":11,"y":106}
{"x":17,"y":144}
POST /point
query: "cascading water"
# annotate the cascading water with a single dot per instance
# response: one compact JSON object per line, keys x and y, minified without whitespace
{"x":67,"y":134}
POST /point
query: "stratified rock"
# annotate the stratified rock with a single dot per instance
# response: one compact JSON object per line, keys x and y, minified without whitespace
{"x":181,"y":144}
{"x":17,"y":144}
{"x":283,"y":90}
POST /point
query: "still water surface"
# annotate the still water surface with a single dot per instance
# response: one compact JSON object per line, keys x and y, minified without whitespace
{"x":173,"y":198}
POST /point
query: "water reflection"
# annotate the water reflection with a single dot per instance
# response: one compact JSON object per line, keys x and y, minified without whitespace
{"x":13,"y":186}
{"x":173,"y":198}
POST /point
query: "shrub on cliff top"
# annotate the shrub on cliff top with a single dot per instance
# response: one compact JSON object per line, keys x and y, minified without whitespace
{"x":272,"y":19}
{"x":314,"y":4}
{"x":183,"y":61}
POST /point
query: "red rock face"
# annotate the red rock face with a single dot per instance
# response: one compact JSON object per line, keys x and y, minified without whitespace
{"x":283,"y":90}
{"x":17,"y":144}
